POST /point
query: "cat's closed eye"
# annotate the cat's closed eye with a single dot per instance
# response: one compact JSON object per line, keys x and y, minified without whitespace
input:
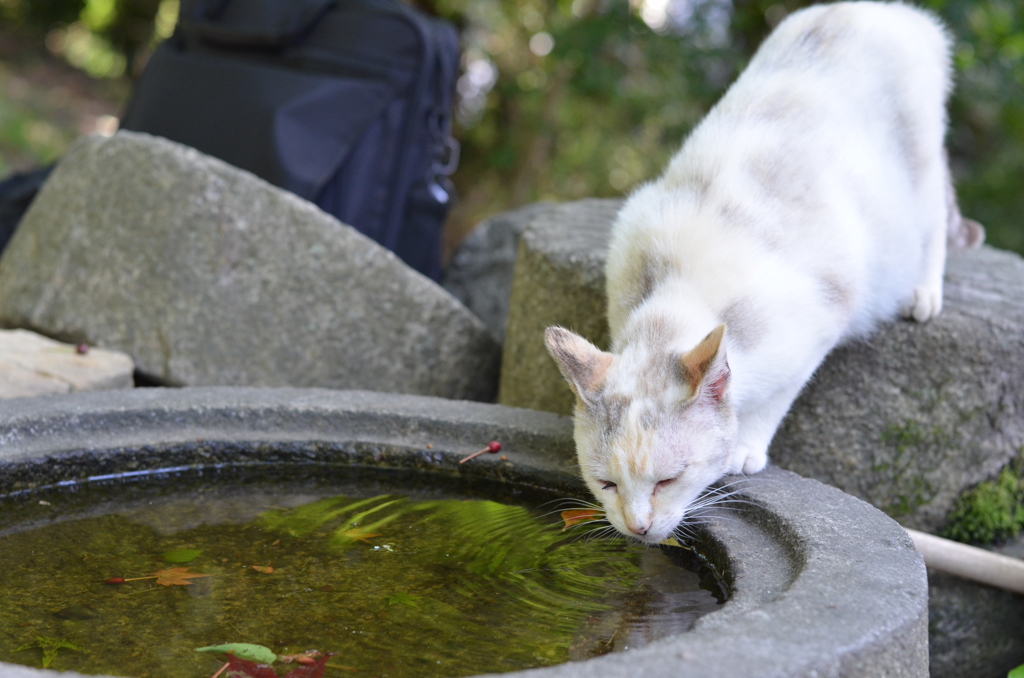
{"x":662,"y":483}
{"x":607,"y":485}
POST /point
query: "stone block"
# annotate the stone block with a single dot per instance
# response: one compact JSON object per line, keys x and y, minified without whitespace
{"x":558,"y":280}
{"x":33,"y":365}
{"x":974,"y":630}
{"x":207,"y":275}
{"x":906,"y":420}
{"x":480,"y":272}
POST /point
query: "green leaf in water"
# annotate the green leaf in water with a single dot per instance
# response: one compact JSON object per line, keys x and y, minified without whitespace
{"x":181,"y":555}
{"x":404,"y":599}
{"x":1017,"y":672}
{"x":49,"y":646}
{"x":246,"y":651}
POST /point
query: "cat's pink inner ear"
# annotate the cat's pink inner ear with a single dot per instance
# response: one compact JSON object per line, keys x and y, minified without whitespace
{"x":716,"y":384}
{"x":707,"y":361}
{"x":582,"y":364}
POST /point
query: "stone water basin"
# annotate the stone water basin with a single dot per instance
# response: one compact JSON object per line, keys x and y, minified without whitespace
{"x":818,"y":583}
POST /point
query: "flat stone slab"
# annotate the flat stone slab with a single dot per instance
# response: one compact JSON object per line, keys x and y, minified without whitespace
{"x":206,"y":275}
{"x":33,"y":365}
{"x":822,"y":584}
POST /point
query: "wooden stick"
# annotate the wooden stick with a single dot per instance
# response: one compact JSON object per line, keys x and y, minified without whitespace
{"x":970,"y":562}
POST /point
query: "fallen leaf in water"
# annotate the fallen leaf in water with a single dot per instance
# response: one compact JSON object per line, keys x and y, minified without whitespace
{"x":50,"y":646}
{"x":314,"y":670}
{"x":404,"y":599}
{"x":242,"y":668}
{"x":357,"y":534}
{"x":247,"y":651}
{"x":577,"y":516}
{"x":180,"y":555}
{"x":307,"y":657}
{"x":265,"y":569}
{"x":176,"y":576}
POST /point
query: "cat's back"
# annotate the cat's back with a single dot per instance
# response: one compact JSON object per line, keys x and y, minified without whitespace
{"x":812,"y":160}
{"x":858,"y":34}
{"x":828,"y":77}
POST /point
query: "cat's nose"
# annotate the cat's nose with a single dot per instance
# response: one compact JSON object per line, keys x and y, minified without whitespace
{"x":639,"y":529}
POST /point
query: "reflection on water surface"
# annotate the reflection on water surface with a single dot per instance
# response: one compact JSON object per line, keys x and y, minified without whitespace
{"x":421,"y":582}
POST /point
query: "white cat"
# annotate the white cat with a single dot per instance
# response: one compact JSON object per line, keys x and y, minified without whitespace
{"x":813,"y":202}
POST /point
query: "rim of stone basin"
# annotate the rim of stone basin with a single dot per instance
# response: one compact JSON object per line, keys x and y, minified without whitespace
{"x":822,"y":584}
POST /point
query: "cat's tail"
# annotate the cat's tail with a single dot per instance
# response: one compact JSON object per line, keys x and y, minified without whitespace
{"x":962,"y":233}
{"x":965,"y":234}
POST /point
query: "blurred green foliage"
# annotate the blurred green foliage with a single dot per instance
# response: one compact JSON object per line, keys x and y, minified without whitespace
{"x":104,"y":38}
{"x":27,"y":136}
{"x":986,"y":140}
{"x":561,"y":99}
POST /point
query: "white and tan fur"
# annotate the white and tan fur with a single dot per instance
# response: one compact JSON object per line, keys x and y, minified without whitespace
{"x":812,"y":203}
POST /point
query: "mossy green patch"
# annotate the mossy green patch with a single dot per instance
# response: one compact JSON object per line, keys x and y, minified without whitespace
{"x":991,"y":511}
{"x":908,"y":452}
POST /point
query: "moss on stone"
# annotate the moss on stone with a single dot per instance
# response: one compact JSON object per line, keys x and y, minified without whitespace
{"x":991,"y":511}
{"x":903,"y":464}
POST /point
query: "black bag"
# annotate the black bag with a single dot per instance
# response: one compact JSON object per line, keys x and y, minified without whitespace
{"x":16,"y":194}
{"x":346,"y":103}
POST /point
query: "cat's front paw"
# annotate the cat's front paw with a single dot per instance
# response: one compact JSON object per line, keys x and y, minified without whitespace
{"x":748,"y":460}
{"x":925,"y":305}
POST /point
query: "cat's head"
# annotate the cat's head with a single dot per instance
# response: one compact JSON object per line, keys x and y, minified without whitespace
{"x":652,"y":430}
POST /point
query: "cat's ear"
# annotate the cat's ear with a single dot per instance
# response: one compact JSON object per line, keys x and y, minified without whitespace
{"x":582,"y":364}
{"x":705,"y":368}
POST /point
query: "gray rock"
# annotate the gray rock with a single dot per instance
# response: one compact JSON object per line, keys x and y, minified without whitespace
{"x":974,"y":630}
{"x":558,"y":280}
{"x":32,"y":365}
{"x":205,"y":274}
{"x":915,"y":415}
{"x":906,"y":420}
{"x":480,"y":272}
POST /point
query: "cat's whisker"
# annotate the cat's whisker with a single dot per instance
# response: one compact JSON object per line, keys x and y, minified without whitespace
{"x":589,"y":532}
{"x":572,"y":500}
{"x":602,"y":533}
{"x":559,"y":511}
{"x":683,"y":532}
{"x":575,"y":529}
{"x":727,"y":505}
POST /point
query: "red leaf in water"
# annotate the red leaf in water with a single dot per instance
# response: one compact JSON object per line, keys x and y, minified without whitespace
{"x":242,"y":668}
{"x":313,"y":670}
{"x":575,"y":517}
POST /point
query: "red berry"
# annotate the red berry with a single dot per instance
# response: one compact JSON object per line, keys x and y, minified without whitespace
{"x":494,"y":446}
{"x":82,"y":349}
{"x":115,"y":580}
